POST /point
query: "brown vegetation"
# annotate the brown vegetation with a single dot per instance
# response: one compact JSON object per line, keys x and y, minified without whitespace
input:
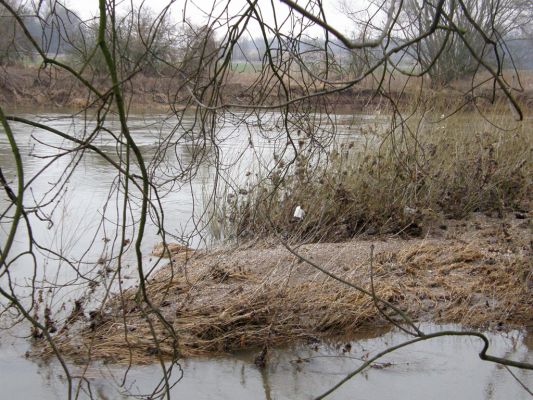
{"x":477,"y":272}
{"x":54,"y":88}
{"x":379,"y":181}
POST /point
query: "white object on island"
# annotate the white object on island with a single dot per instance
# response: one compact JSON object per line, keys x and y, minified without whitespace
{"x":299,"y":213}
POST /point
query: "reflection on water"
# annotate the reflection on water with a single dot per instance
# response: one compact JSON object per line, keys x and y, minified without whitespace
{"x":81,"y":224}
{"x":444,"y":368}
{"x":80,"y":221}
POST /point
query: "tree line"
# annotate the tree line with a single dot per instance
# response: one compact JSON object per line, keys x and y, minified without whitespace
{"x":154,"y":44}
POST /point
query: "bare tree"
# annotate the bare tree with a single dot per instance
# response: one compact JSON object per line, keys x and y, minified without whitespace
{"x":142,"y":42}
{"x":198,"y":52}
{"x":481,"y":27}
{"x":13,"y":43}
{"x":292,"y":94}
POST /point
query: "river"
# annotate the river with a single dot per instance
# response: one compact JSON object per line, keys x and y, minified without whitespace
{"x":80,"y":223}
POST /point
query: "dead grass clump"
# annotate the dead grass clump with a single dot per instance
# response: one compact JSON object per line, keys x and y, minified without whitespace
{"x":475,"y":279}
{"x":262,"y":296}
{"x":217,"y":315}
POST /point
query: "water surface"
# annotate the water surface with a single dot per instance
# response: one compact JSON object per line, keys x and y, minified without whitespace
{"x":78,"y":223}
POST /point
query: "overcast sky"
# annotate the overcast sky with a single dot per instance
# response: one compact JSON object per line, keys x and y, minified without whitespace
{"x":197,"y":11}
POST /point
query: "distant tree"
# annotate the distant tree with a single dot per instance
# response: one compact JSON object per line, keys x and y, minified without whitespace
{"x":480,"y":27}
{"x":290,"y":107}
{"x":197,"y":52}
{"x":142,"y":41}
{"x":13,"y":43}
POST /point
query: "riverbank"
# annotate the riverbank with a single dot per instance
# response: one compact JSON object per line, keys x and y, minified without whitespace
{"x":477,"y":272}
{"x":52,"y":88}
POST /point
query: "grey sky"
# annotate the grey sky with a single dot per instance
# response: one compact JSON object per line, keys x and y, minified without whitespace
{"x":198,"y":10}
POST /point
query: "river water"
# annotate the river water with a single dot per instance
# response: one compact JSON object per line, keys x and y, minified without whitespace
{"x":80,"y":224}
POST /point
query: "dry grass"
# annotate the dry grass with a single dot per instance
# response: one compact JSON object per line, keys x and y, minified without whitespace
{"x":399,"y":182}
{"x":476,"y":272}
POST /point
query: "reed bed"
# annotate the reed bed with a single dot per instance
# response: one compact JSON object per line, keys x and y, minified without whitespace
{"x":396,"y":179}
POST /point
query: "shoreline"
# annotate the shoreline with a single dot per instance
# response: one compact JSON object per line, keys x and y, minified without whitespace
{"x":477,"y":272}
{"x":53,"y":90}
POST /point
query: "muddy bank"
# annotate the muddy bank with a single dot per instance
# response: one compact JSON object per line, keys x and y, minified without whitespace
{"x":51,"y":88}
{"x":54,"y":88}
{"x":476,"y":272}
